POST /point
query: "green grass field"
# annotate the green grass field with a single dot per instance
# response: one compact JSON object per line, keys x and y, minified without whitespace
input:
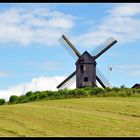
{"x":96,"y":116}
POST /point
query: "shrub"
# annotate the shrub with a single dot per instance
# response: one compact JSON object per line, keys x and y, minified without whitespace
{"x":96,"y":91}
{"x":37,"y":92}
{"x":137,"y":90}
{"x":108,"y":89}
{"x":29,"y":93}
{"x":111,"y":94}
{"x":33,"y":97}
{"x":22,"y":99}
{"x":63,"y":92}
{"x":13,"y":99}
{"x":69,"y":93}
{"x":49,"y":93}
{"x":116,"y":89}
{"x":2,"y":101}
{"x":79,"y":92}
{"x":42,"y":95}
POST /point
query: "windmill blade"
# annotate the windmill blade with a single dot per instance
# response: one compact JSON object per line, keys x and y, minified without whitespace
{"x":101,"y":79}
{"x":66,"y":80}
{"x":66,"y":46}
{"x":101,"y":83}
{"x":68,"y":83}
{"x":103,"y":47}
{"x":69,"y":45}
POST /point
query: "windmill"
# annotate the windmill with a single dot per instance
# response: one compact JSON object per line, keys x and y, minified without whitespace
{"x":86,"y":73}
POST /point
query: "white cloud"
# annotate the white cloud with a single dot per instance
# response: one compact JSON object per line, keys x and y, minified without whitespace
{"x":126,"y":10}
{"x":45,"y":26}
{"x":121,"y":22}
{"x":37,"y":84}
{"x":37,"y":25}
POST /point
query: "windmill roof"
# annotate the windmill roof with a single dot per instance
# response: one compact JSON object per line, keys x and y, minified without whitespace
{"x":86,"y":57}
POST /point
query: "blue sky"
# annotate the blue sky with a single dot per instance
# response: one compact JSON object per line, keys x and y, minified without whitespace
{"x":31,"y":57}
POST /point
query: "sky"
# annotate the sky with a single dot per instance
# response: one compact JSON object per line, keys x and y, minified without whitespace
{"x":33,"y":59}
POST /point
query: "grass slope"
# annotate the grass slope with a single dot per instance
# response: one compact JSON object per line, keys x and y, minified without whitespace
{"x":96,"y":116}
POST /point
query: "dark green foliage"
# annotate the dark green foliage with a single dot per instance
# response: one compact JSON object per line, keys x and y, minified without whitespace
{"x":137,"y":90}
{"x":78,"y":92}
{"x":2,"y":101}
{"x":42,"y":95}
{"x":49,"y":93}
{"x":13,"y":99}
{"x":34,"y":97}
{"x":75,"y":93}
{"x":22,"y":99}
{"x":116,"y":89}
{"x":107,"y":89}
{"x":29,"y":93}
{"x":123,"y":86}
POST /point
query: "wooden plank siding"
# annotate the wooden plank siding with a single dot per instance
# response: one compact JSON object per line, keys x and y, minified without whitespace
{"x":85,"y":71}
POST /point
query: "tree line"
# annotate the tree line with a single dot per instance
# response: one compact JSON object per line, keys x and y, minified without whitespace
{"x":75,"y":93}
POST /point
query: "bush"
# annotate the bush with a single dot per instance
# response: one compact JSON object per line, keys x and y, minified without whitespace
{"x":79,"y":92}
{"x":42,"y":95}
{"x":33,"y":97}
{"x":13,"y":99}
{"x":2,"y":101}
{"x":49,"y":93}
{"x":29,"y":93}
{"x":75,"y":93}
{"x":108,"y":89}
{"x":23,"y":99}
{"x":137,"y":90}
{"x":116,"y":89}
{"x":111,"y":94}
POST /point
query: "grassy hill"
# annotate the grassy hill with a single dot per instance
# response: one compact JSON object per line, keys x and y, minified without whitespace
{"x":94,"y":116}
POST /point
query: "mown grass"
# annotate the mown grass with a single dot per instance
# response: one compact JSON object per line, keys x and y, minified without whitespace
{"x":93,"y":116}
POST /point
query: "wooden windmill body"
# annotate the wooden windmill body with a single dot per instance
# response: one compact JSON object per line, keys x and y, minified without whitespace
{"x":86,"y":72}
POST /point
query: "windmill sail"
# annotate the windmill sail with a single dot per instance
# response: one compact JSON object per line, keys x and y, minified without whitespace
{"x":77,"y":53}
{"x":74,"y":53}
{"x":68,"y":48}
{"x":66,"y":80}
{"x":101,"y":79}
{"x":103,"y":47}
{"x":68,"y":83}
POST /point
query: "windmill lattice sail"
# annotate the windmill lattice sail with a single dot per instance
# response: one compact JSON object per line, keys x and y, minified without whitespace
{"x":63,"y":84}
{"x":76,"y":54}
{"x":102,"y":80}
{"x":103,"y":47}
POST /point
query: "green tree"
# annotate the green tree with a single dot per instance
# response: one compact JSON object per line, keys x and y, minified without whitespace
{"x":29,"y":93}
{"x":2,"y":101}
{"x":13,"y":99}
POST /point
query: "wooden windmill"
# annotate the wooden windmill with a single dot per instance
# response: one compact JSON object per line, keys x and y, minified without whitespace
{"x":86,"y":72}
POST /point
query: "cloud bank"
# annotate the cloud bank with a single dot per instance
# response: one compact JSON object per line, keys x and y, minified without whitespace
{"x":38,"y":25}
{"x":37,"y":84}
{"x":121,"y":22}
{"x":44,"y":26}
